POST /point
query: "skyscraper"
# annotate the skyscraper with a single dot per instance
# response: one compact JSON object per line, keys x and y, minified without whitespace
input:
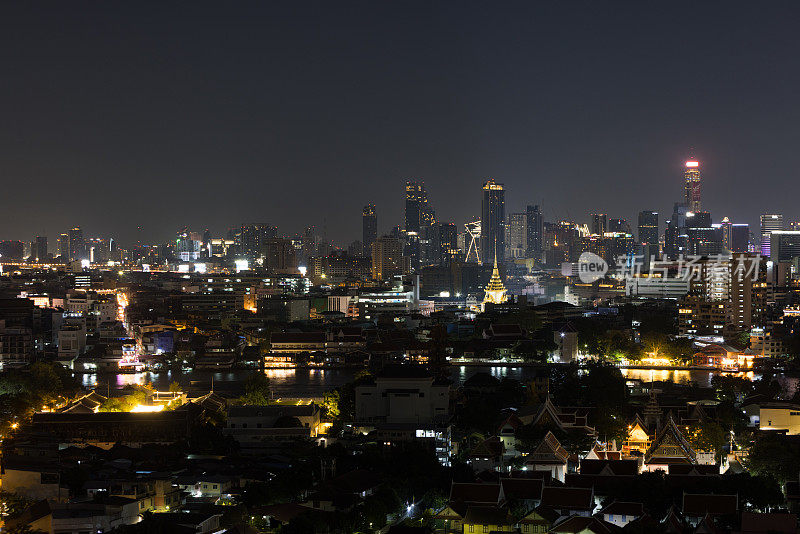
{"x":369,"y":223}
{"x":692,"y":185}
{"x":448,"y":241}
{"x":77,"y":247}
{"x":516,"y":235}
{"x":387,"y":258}
{"x":648,"y":227}
{"x":493,"y":215}
{"x":769,"y":223}
{"x":63,"y":247}
{"x":739,"y":237}
{"x":418,"y":212}
{"x":253,"y":238}
{"x":599,"y":223}
{"x":619,"y":226}
{"x":40,"y":250}
{"x":535,"y":229}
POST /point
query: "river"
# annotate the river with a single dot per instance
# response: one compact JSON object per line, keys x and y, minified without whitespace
{"x":314,"y":382}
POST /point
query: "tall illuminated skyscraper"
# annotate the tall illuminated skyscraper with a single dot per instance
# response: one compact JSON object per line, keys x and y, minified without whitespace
{"x":77,"y":247}
{"x":369,"y":221}
{"x":40,"y":249}
{"x":599,"y":224}
{"x":769,"y":223}
{"x":493,"y":215}
{"x":692,"y":185}
{"x":648,"y":227}
{"x":418,"y":212}
{"x":535,"y":229}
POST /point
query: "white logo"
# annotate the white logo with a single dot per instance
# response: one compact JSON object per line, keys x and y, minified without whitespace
{"x":591,"y":267}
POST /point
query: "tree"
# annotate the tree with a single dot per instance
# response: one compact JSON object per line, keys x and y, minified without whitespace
{"x":775,"y":456}
{"x":256,"y":390}
{"x":330,"y":404}
{"x":175,"y":387}
{"x":708,"y":436}
{"x":125,"y":403}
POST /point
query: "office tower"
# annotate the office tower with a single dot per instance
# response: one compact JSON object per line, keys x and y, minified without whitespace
{"x":675,"y":238}
{"x":39,"y":251}
{"x":619,"y":226}
{"x":727,"y":227}
{"x":784,"y":245}
{"x":279,"y":255}
{"x":704,"y":237}
{"x":418,"y":211}
{"x":535,"y":229}
{"x":448,"y":242}
{"x":493,"y":215}
{"x":739,"y":237}
{"x":516,"y":235}
{"x":369,"y":227}
{"x":692,"y":185}
{"x":648,"y":227}
{"x":599,"y":224}
{"x":77,"y":247}
{"x":252,"y":239}
{"x":188,"y":245}
{"x":98,"y":250}
{"x":769,"y":223}
{"x":63,"y":246}
{"x":387,"y":258}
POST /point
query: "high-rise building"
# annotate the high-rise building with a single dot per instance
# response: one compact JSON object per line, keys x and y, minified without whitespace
{"x":188,"y":245}
{"x":705,"y":238}
{"x":252,"y":239}
{"x":369,"y":224}
{"x":63,"y":246}
{"x":418,"y":211}
{"x":493,"y":215}
{"x":516,"y":235}
{"x":739,"y":237}
{"x":448,"y":242}
{"x":648,"y":227}
{"x":692,"y":185}
{"x":599,"y":224}
{"x":77,"y":247}
{"x":769,"y":223}
{"x":39,"y":251}
{"x":784,"y":245}
{"x":535,"y":229}
{"x":619,"y":226}
{"x":387,"y":258}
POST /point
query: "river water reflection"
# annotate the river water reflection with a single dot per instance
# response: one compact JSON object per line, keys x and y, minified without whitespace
{"x":314,"y":382}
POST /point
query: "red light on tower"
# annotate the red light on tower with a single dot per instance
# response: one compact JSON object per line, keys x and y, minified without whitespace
{"x":692,"y":164}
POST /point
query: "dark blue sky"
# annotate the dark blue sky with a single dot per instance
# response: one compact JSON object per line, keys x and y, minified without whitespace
{"x":211,"y":114}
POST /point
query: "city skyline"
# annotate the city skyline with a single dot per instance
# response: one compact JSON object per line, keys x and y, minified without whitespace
{"x":146,"y":114}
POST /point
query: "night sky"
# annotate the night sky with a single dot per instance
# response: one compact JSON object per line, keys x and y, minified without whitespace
{"x":297,"y":113}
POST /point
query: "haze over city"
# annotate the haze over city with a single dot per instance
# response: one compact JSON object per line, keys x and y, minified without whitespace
{"x":299,"y":114}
